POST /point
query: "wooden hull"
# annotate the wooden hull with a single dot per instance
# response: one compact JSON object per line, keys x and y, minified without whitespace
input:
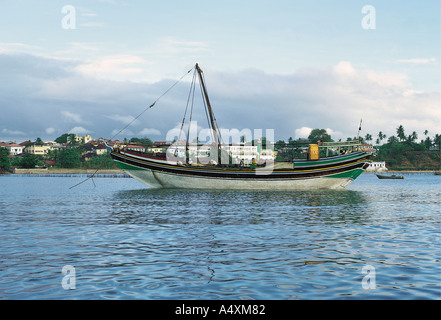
{"x":328,"y":173}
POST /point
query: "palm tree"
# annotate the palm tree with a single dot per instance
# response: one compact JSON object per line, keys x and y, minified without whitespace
{"x":368,"y":137}
{"x":437,"y":140}
{"x":392,"y":139}
{"x":400,"y":133}
{"x":381,"y":136}
{"x":428,"y":143}
{"x":39,"y":142}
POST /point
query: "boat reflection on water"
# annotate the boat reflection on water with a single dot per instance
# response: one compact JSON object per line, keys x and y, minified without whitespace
{"x":184,"y":206}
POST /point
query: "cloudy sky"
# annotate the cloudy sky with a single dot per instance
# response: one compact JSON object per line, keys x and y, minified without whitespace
{"x":90,"y":67}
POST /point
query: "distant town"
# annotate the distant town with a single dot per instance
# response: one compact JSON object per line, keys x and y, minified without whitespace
{"x":73,"y":151}
{"x":401,"y":152}
{"x":85,"y":152}
{"x":69,"y":151}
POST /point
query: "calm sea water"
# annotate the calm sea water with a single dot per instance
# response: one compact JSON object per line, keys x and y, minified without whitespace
{"x":378,"y":239}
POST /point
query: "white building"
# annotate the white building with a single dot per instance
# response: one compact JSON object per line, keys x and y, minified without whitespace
{"x":81,"y":139}
{"x":14,"y":149}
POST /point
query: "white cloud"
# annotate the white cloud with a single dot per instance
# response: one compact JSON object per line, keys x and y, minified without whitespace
{"x":71,"y":117}
{"x":302,"y":132}
{"x":335,"y":98}
{"x":50,"y":130}
{"x":114,"y":67}
{"x":336,"y":135}
{"x":42,"y":93}
{"x":418,"y":60}
{"x":79,"y":131}
{"x":344,"y":67}
{"x":149,"y":131}
{"x":13,"y":132}
{"x":11,"y":47}
{"x":120,"y":118}
{"x":117,"y":134}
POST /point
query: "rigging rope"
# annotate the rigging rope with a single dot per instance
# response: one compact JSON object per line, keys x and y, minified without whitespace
{"x":130,"y":123}
{"x":186,"y":107}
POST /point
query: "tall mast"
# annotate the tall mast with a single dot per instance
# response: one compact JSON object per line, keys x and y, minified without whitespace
{"x":210,"y":111}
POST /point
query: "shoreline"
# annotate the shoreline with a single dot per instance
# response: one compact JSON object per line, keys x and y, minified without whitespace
{"x":45,"y":171}
{"x":402,"y":171}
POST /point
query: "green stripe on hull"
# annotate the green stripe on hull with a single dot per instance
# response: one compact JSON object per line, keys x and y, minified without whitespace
{"x":352,"y":174}
{"x":324,"y":161}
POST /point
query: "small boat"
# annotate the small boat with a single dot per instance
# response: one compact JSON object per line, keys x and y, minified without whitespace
{"x":323,"y":165}
{"x":382,"y":176}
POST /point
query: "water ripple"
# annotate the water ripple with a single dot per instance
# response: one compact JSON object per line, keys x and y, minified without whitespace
{"x":128,"y":242}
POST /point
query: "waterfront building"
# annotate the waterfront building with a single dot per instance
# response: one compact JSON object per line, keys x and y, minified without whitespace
{"x":13,"y":148}
{"x":36,"y":149}
{"x":100,"y":149}
{"x":135,"y":147}
{"x":158,"y":147}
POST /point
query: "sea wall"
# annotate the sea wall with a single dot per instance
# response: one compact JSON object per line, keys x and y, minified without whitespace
{"x":30,"y":171}
{"x":63,"y":171}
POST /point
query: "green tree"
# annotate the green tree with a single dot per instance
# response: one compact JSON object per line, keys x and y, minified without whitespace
{"x":412,"y":137}
{"x":381,"y":136}
{"x":5,"y":162}
{"x":428,"y":143}
{"x":65,"y":137}
{"x":319,"y":134}
{"x":39,"y":142}
{"x":29,"y":161}
{"x":400,"y":133}
{"x":437,"y":140}
{"x":52,"y":155}
{"x":368,"y":137}
{"x":70,"y":158}
{"x":102,"y":161}
{"x":392,"y":139}
{"x":279,"y":144}
{"x":143,"y":141}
